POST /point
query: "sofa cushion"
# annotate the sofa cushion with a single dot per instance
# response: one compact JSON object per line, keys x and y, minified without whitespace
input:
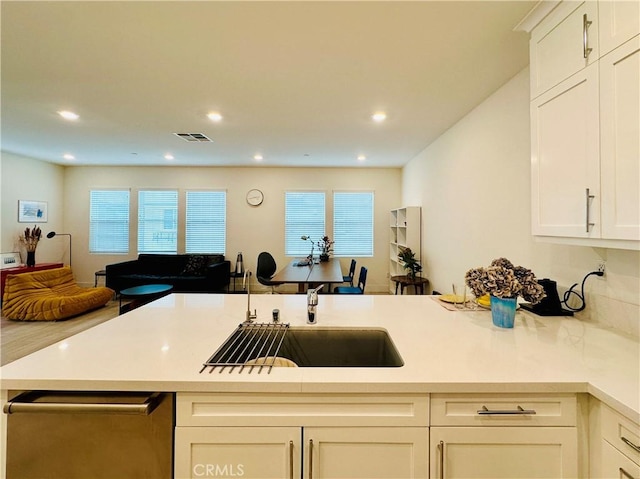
{"x":196,"y":266}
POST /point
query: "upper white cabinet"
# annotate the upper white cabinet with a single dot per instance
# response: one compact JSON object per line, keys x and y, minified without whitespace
{"x":585,"y":124}
{"x":619,"y":22}
{"x":620,"y":140}
{"x":563,"y":44}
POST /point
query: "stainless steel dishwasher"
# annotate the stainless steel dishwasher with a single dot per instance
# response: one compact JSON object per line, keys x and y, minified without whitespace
{"x":90,"y":435}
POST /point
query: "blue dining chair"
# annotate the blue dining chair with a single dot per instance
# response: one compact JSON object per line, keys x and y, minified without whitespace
{"x":362,"y":281}
{"x":352,"y":273}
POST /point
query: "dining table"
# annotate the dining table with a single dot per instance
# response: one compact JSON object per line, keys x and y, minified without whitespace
{"x":310,"y":274}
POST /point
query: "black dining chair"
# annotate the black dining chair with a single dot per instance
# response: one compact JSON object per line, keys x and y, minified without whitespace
{"x":362,"y":281}
{"x":352,"y":273}
{"x":265,"y":270}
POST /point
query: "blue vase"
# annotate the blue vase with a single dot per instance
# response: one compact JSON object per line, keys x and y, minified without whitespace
{"x":503,"y":311}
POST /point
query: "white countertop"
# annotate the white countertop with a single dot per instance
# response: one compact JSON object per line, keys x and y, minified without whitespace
{"x":162,"y":346}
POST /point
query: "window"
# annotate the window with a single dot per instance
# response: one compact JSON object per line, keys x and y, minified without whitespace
{"x":206,"y":223}
{"x":158,"y":221}
{"x":109,"y":221}
{"x":304,"y":215}
{"x":353,"y":223}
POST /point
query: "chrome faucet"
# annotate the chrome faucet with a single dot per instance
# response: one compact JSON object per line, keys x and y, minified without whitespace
{"x":312,"y":304}
{"x":247,"y":284}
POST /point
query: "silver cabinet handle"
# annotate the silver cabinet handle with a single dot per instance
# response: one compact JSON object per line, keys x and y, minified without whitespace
{"x":585,"y":36}
{"x":69,"y":402}
{"x":625,"y":473}
{"x":310,"y":458}
{"x":511,"y":412}
{"x":630,"y":444}
{"x":290,"y":459}
{"x":588,"y":198}
{"x":441,"y":458}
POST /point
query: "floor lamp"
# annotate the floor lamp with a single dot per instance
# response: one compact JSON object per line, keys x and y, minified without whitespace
{"x":53,"y":233}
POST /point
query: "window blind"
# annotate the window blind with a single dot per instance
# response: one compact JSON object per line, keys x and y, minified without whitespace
{"x":353,"y":223}
{"x":158,"y":221}
{"x":206,"y":222}
{"x":304,"y":215}
{"x":109,"y":221}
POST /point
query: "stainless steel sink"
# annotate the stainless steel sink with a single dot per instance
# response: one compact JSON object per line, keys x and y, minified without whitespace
{"x":340,"y":348}
{"x":307,"y":347}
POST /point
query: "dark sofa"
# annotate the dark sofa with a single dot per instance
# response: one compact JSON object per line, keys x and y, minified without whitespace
{"x":187,"y":273}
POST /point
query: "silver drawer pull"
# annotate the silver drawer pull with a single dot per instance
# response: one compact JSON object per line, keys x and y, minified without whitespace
{"x":625,"y":473}
{"x":586,"y":23}
{"x":506,"y":412}
{"x":630,"y":444}
{"x":27,"y":402}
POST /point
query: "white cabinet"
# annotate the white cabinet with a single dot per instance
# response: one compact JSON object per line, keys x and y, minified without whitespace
{"x":614,"y":444}
{"x":585,"y":140}
{"x":291,"y":452}
{"x":620,"y":140}
{"x":405,"y":228}
{"x":505,"y":436}
{"x":565,"y":176}
{"x":619,"y":21}
{"x":299,"y":435}
{"x":564,"y":43}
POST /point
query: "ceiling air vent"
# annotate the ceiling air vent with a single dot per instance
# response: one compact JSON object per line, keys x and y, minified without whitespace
{"x":194,"y":137}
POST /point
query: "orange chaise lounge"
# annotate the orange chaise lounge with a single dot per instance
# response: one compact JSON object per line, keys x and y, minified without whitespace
{"x":49,"y":295}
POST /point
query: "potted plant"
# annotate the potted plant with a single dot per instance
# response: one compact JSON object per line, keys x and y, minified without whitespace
{"x":30,"y":240}
{"x":409,"y":262}
{"x":325,"y":245}
{"x":504,"y":282}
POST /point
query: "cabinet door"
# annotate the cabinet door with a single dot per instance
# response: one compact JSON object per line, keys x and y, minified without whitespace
{"x":248,"y":452}
{"x":369,"y":453}
{"x":620,"y":141}
{"x":563,"y":44}
{"x":504,"y":452}
{"x":565,"y":158}
{"x":617,"y":465}
{"x":619,"y":21}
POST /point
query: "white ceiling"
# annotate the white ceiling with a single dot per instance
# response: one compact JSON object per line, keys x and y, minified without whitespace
{"x":295,"y":81}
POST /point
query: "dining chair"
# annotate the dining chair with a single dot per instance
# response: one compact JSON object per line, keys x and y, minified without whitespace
{"x":265,"y":270}
{"x":362,"y":281}
{"x":352,"y":273}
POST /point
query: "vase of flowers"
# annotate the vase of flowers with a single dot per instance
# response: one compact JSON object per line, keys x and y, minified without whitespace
{"x":409,"y":262}
{"x":504,"y":282}
{"x":325,"y":245}
{"x":30,"y":240}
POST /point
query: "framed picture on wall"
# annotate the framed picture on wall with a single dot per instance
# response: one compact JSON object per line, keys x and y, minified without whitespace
{"x":32,"y":211}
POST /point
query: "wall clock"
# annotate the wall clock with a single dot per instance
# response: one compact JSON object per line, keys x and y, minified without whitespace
{"x":255,"y":197}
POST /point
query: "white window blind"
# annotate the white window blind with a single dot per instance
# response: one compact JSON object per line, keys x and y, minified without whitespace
{"x":304,"y":215}
{"x":206,"y":223}
{"x":158,"y":221}
{"x":353,"y":223}
{"x":109,"y":221}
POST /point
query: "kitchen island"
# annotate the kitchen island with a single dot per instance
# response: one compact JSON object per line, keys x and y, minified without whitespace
{"x":162,"y":346}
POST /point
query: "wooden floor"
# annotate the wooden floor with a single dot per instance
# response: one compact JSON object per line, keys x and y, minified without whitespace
{"x":19,"y":338}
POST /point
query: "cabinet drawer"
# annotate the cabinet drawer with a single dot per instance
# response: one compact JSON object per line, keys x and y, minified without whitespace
{"x":617,"y":465}
{"x":623,"y":433}
{"x":207,"y":409}
{"x":503,"y":410}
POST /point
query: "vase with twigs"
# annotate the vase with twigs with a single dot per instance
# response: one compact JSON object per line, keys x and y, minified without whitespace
{"x":29,"y":239}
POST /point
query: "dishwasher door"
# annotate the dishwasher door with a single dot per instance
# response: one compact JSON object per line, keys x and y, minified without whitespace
{"x":96,"y":435}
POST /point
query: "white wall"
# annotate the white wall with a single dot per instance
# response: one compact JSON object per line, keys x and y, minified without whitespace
{"x":474,"y":186}
{"x":27,"y":179}
{"x":249,"y":229}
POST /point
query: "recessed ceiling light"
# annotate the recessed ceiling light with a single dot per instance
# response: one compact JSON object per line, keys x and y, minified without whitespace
{"x":214,"y":116}
{"x":379,"y":116}
{"x":68,"y":156}
{"x":258,"y":157}
{"x":168,"y":156}
{"x":361,"y":157}
{"x":68,"y":115}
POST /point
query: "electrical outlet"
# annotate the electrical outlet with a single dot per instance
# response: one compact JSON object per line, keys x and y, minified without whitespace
{"x":601,"y":267}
